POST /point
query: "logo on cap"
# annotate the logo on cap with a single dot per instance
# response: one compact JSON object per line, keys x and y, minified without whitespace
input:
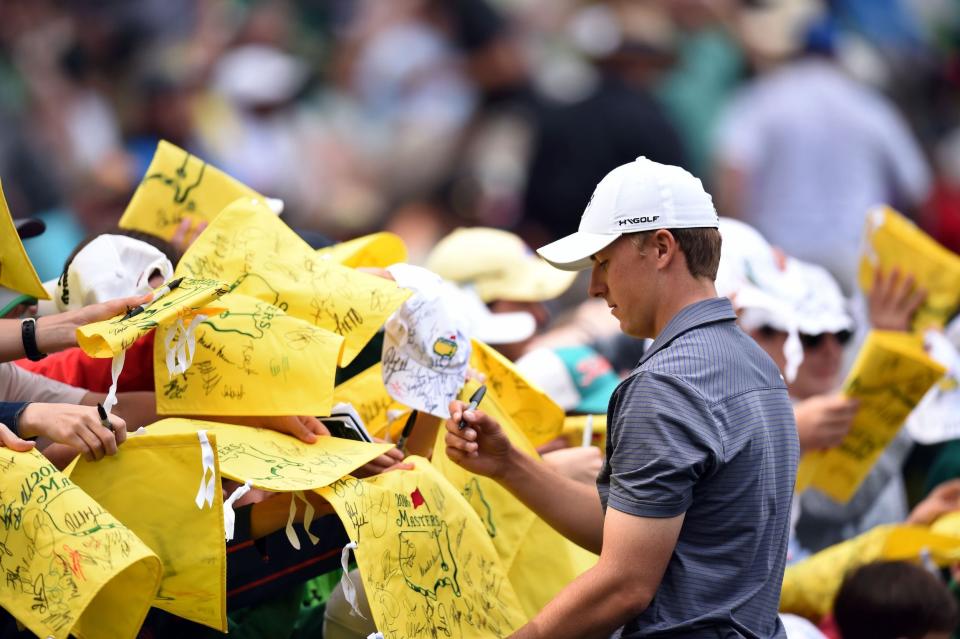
{"x":445,"y":348}
{"x":638,"y":220}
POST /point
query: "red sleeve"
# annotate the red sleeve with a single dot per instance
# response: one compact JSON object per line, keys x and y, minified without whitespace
{"x":76,"y":368}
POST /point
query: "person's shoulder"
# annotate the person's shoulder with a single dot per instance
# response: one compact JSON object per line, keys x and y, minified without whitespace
{"x":719,"y":360}
{"x":651,"y":382}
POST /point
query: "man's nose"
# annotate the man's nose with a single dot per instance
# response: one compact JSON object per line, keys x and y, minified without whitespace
{"x":597,"y":287}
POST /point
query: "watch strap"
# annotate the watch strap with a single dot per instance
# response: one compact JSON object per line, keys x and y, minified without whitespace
{"x":28,"y":332}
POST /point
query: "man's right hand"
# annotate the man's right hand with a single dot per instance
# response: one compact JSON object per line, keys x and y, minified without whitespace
{"x":75,"y":426}
{"x":482,"y":447}
{"x":824,"y":420}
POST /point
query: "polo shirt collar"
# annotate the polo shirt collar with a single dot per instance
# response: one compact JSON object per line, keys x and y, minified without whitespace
{"x":715,"y":309}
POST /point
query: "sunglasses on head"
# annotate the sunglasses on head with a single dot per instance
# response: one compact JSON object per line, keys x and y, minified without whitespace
{"x":814,"y":341}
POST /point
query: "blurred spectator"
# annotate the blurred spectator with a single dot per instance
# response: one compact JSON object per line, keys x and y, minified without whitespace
{"x":803,"y":148}
{"x":502,"y":271}
{"x":580,"y":139}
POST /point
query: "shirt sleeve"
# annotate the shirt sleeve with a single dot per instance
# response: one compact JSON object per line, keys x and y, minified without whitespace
{"x":19,"y":385}
{"x":665,"y":440}
{"x":10,"y":412}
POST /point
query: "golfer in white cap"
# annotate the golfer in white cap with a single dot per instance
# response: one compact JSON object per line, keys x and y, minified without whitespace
{"x":691,"y":512}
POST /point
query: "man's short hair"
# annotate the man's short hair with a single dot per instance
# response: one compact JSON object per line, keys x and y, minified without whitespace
{"x":700,"y":246}
{"x":891,"y":599}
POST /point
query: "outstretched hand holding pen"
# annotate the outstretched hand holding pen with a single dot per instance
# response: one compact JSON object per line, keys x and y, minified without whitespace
{"x":480,"y":445}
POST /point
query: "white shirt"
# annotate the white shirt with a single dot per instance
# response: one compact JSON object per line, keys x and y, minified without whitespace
{"x":818,"y":150}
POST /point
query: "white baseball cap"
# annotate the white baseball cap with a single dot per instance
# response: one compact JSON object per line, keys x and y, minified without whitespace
{"x":487,"y":326}
{"x":498,"y":265}
{"x":426,"y":345}
{"x":641,"y":196}
{"x":109,"y":267}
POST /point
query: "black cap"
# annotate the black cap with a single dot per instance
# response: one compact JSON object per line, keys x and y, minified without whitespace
{"x":28,"y":227}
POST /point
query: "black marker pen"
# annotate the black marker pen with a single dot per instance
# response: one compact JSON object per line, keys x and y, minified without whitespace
{"x":104,"y":419}
{"x":163,"y":290}
{"x":474,"y":402}
{"x":407,"y":429}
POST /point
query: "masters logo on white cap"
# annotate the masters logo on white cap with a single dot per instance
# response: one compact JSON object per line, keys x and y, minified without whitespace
{"x":640,"y":196}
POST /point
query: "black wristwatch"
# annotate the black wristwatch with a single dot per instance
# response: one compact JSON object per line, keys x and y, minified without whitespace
{"x":28,"y":331}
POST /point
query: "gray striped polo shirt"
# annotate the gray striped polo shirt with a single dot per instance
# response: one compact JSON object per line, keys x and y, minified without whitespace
{"x":704,"y":426}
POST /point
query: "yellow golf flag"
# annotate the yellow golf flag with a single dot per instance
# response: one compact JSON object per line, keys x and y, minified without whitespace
{"x":378,"y":250}
{"x":113,"y":336}
{"x":166,"y":489}
{"x":276,"y":461}
{"x":893,"y":241}
{"x":539,"y":417}
{"x":427,"y":566}
{"x":524,"y":542}
{"x":249,"y":247}
{"x":70,"y":566}
{"x":807,"y":469}
{"x":180,"y":186}
{"x":810,"y":586}
{"x":251,"y":359}
{"x":890,"y":376}
{"x":16,"y":270}
{"x":366,"y":392}
{"x":948,"y":525}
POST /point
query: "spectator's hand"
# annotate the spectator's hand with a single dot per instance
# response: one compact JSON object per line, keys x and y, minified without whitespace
{"x":482,"y":447}
{"x":387,"y":461}
{"x":57,"y":332}
{"x":893,"y":301}
{"x":557,"y":443}
{"x":183,"y":237}
{"x":9,"y":440}
{"x":943,"y":499}
{"x":580,"y":463}
{"x":76,"y":426}
{"x":824,"y":420}
{"x":304,"y":427}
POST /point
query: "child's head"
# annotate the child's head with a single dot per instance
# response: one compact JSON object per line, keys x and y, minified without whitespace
{"x":894,"y":600}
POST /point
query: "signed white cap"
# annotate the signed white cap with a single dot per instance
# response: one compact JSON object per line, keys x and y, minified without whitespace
{"x":109,"y":267}
{"x":426,"y":345}
{"x":640,"y":196}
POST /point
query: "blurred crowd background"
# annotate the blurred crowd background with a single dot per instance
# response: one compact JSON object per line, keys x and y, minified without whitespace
{"x":418,"y":116}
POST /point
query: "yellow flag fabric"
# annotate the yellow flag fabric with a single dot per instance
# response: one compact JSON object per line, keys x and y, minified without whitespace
{"x":249,"y":247}
{"x":16,"y":270}
{"x":539,"y":417}
{"x":893,"y":241}
{"x":366,"y":392}
{"x":948,"y":524}
{"x":251,"y":359}
{"x":113,"y":336}
{"x":70,"y":566}
{"x":276,"y":461}
{"x":524,"y":542}
{"x":180,"y":186}
{"x":807,"y":469}
{"x":890,"y":376}
{"x":378,"y":250}
{"x":810,"y":586}
{"x":573,"y":426}
{"x":427,"y":566}
{"x":152,"y":487}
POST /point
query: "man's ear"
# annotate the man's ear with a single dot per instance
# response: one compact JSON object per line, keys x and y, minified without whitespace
{"x":665,"y":247}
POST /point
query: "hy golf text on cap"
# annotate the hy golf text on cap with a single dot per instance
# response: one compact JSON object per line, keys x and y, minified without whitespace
{"x":641,"y":196}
